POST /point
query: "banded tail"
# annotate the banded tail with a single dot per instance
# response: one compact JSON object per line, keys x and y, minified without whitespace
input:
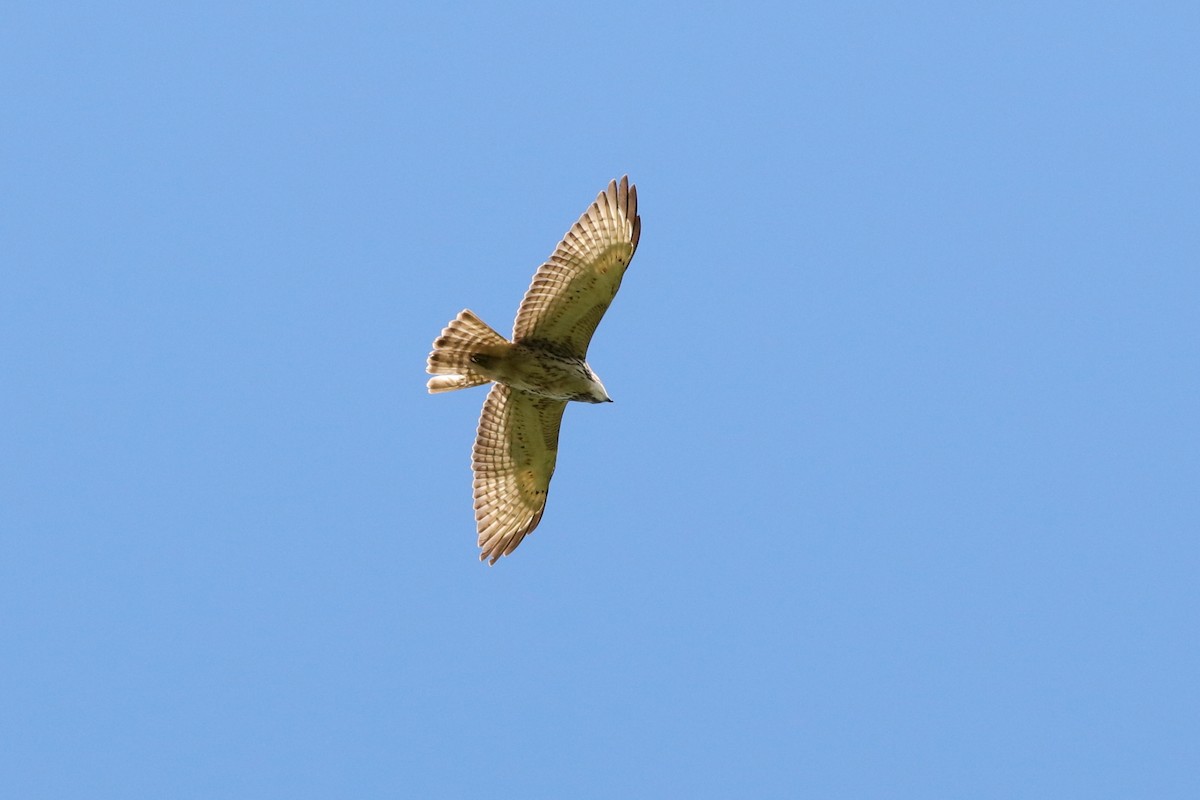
{"x":466,"y":337}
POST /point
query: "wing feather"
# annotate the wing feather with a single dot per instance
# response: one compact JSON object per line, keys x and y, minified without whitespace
{"x":572,"y":290}
{"x":513,"y":459}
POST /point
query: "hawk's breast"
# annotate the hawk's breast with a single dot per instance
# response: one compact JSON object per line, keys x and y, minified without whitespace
{"x":540,"y":371}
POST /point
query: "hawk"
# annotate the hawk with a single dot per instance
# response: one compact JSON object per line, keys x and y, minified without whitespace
{"x":543,"y":368}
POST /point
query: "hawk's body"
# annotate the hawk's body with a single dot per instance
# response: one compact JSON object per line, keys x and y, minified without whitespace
{"x":540,"y":370}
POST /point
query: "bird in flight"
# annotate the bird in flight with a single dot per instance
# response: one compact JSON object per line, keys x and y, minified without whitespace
{"x":536,"y":374}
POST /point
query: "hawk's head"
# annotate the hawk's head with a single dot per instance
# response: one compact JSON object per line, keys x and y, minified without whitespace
{"x":595,"y":391}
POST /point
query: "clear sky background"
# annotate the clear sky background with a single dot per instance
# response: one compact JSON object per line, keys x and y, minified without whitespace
{"x":898,"y":498}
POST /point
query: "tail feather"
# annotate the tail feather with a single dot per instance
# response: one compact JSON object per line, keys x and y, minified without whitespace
{"x":466,"y":336}
{"x":448,"y":383}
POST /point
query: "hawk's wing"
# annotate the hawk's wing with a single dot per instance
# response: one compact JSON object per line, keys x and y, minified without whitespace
{"x":571,"y":291}
{"x":513,"y":460}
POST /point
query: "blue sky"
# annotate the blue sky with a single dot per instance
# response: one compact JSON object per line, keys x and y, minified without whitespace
{"x":898,"y":497}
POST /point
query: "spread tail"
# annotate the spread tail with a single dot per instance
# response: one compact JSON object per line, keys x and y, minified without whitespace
{"x":451,"y":364}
